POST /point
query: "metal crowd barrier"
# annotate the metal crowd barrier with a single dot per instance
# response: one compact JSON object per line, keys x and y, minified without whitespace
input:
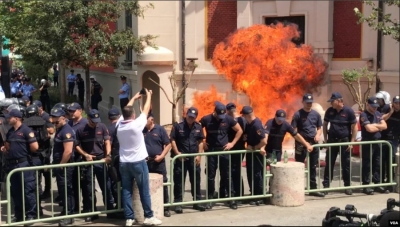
{"x":170,"y":183}
{"x":328,"y":146}
{"x":54,"y":217}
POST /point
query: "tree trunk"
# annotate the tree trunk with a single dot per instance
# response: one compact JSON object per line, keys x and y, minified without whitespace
{"x":87,"y":89}
{"x":173,"y":114}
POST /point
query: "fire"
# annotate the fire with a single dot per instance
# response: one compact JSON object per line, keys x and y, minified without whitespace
{"x":263,"y":62}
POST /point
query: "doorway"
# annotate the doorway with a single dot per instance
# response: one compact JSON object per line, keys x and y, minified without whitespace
{"x":156,"y":92}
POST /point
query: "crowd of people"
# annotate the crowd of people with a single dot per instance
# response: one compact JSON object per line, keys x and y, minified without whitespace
{"x":134,"y":146}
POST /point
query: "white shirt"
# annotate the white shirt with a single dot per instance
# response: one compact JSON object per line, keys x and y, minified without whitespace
{"x":131,"y":140}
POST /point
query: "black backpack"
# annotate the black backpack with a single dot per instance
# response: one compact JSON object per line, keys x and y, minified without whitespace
{"x":38,"y":126}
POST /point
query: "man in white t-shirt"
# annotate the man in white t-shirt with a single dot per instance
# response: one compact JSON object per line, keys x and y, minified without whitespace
{"x":132,"y":158}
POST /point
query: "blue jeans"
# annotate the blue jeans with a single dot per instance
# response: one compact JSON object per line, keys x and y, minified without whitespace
{"x":140,"y":172}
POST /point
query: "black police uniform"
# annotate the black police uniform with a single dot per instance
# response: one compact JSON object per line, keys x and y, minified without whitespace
{"x":254,"y":161}
{"x":276,"y":134}
{"x":236,"y":160}
{"x":217,"y":138}
{"x":307,"y":124}
{"x":392,"y":135}
{"x":81,"y":89}
{"x":63,"y":135}
{"x":96,"y":96}
{"x":155,"y":140}
{"x":114,"y":167}
{"x":368,"y":118}
{"x":91,"y":140}
{"x":18,"y":157}
{"x":339,"y":132}
{"x":187,"y":140}
{"x":384,"y":109}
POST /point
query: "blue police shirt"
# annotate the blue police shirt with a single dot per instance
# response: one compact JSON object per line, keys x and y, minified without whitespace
{"x":217,"y":130}
{"x":276,"y":134}
{"x":91,"y":140}
{"x":27,"y":89}
{"x":368,"y":118}
{"x":384,"y":109}
{"x":340,"y":122}
{"x":232,"y":133}
{"x":125,"y":88}
{"x":307,"y":123}
{"x":255,"y":132}
{"x":155,"y":139}
{"x":15,"y":87}
{"x":393,"y":127}
{"x":111,"y":131}
{"x":63,"y":135}
{"x":45,"y":116}
{"x":187,"y":139}
{"x":71,"y":78}
{"x":19,"y":141}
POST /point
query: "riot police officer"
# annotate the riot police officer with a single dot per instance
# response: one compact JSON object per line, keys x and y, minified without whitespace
{"x":39,"y":127}
{"x":255,"y":137}
{"x":217,"y":126}
{"x":343,"y":128}
{"x":43,"y":114}
{"x":20,"y":141}
{"x":63,"y":153}
{"x":371,"y":126}
{"x":93,"y":143}
{"x":187,"y":138}
{"x":392,"y":135}
{"x":308,"y":123}
{"x":157,"y":146}
{"x":113,"y":116}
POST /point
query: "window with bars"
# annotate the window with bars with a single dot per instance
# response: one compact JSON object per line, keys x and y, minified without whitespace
{"x":300,"y":21}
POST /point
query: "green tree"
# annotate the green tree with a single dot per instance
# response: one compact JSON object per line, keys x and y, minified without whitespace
{"x":353,"y":79}
{"x":387,"y":25}
{"x":75,"y":31}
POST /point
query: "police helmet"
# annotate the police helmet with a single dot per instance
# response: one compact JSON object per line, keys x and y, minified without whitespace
{"x":383,"y":95}
{"x":16,"y":107}
{"x":60,"y":105}
{"x":31,"y":111}
{"x":21,"y":102}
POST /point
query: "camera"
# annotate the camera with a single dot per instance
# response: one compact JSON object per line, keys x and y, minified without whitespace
{"x":142,"y":92}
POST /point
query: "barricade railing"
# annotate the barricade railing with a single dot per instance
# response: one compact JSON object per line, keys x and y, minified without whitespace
{"x":60,"y":216}
{"x":343,"y":148}
{"x":224,"y":157}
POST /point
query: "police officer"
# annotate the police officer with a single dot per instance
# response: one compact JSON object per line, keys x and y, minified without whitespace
{"x":39,"y":127}
{"x":81,"y":88}
{"x":187,"y":138}
{"x":343,"y":128}
{"x":217,"y":126}
{"x":236,"y":159}
{"x":76,"y":122}
{"x":27,"y":89}
{"x":26,"y":100}
{"x":392,"y":135}
{"x":371,"y":126}
{"x":63,"y":153}
{"x":255,"y":137}
{"x":157,"y":145}
{"x":383,"y":101}
{"x":43,"y":114}
{"x":71,"y":78}
{"x":123,"y":93}
{"x":95,"y":90}
{"x":93,"y":143}
{"x":113,"y":116}
{"x":20,"y":141}
{"x":308,"y":123}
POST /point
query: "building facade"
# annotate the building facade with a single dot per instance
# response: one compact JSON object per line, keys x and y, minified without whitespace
{"x":329,"y":26}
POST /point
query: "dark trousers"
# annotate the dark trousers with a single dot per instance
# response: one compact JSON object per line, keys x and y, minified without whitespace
{"x":94,"y":101}
{"x":27,"y":190}
{"x":226,"y":184}
{"x":387,"y":162}
{"x":366,"y":152}
{"x":159,"y":168}
{"x":76,"y":187}
{"x":180,"y":171}
{"x":123,"y":102}
{"x":45,"y":100}
{"x":254,"y":169}
{"x":330,"y":160}
{"x":236,"y":174}
{"x":71,"y":86}
{"x":38,"y":161}
{"x":46,"y":175}
{"x":64,"y":178}
{"x":301,"y":155}
{"x":55,"y":81}
{"x":81,"y":96}
{"x":88,"y":187}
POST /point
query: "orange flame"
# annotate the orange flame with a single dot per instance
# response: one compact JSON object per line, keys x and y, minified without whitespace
{"x":263,"y":62}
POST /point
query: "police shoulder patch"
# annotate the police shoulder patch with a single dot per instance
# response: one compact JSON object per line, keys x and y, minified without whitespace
{"x":31,"y":134}
{"x":259,"y":132}
{"x":68,"y":135}
{"x":362,"y":119}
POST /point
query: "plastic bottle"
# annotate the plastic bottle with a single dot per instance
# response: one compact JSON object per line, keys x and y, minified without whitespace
{"x":274,"y":160}
{"x":285,"y":157}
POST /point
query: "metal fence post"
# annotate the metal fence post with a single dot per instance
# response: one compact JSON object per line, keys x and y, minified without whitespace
{"x":398,"y":172}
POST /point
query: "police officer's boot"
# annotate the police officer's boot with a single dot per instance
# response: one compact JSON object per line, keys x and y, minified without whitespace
{"x":233,"y":205}
{"x":91,"y":218}
{"x":167,"y":213}
{"x":199,"y":207}
{"x":210,"y":205}
{"x":65,"y":222}
{"x":178,"y":210}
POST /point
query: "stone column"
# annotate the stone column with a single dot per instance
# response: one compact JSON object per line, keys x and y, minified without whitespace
{"x":287,"y":184}
{"x":156,"y":195}
{"x":398,"y":172}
